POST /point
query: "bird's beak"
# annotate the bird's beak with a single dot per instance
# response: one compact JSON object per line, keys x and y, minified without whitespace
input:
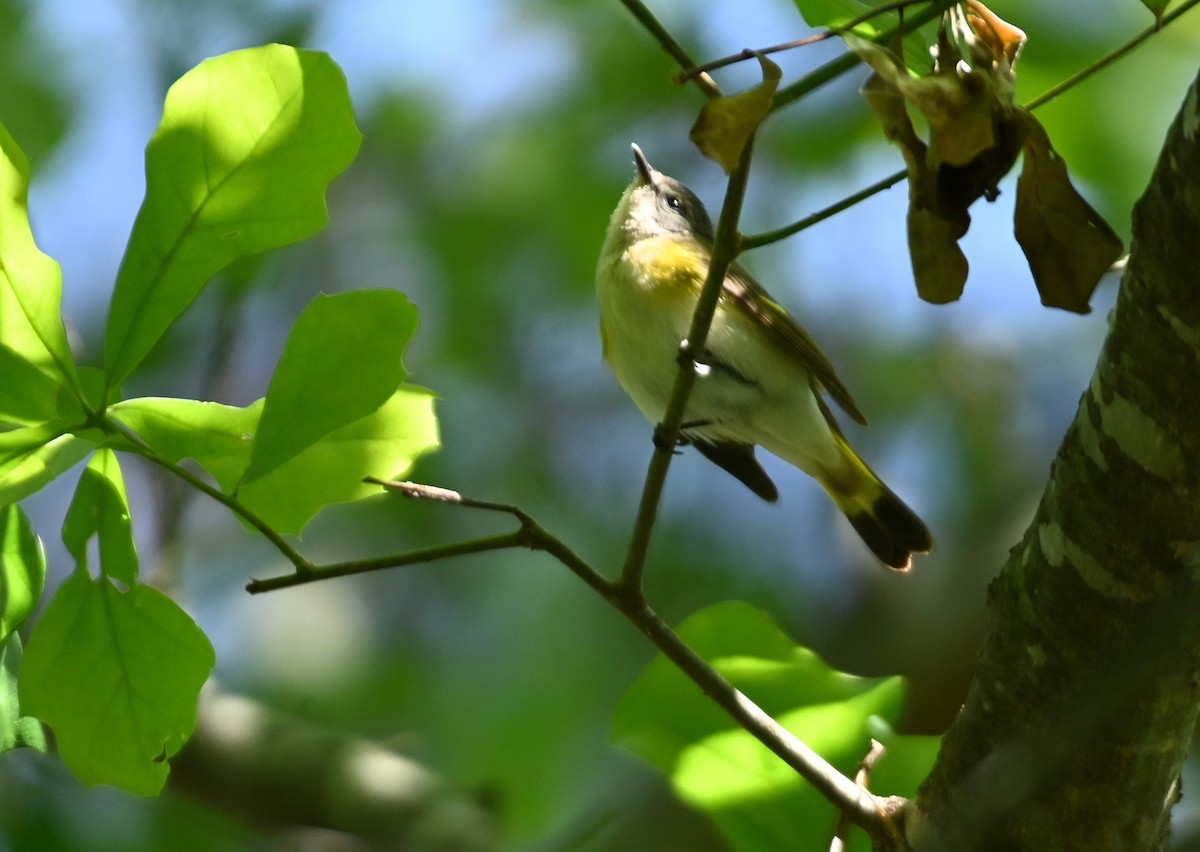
{"x":645,"y":170}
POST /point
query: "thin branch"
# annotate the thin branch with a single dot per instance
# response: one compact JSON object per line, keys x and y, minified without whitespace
{"x":673,"y":48}
{"x":756,"y":240}
{"x":860,"y":806}
{"x":862,"y":778}
{"x":863,"y":809}
{"x":666,"y":434}
{"x":832,"y":32}
{"x":411,"y":557}
{"x":1110,"y":57}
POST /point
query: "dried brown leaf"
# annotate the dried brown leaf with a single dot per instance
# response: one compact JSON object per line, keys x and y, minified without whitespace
{"x":1068,"y":244}
{"x":939,"y":265}
{"x":725,"y":124}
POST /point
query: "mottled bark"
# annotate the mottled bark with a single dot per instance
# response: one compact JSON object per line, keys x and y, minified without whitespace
{"x":1085,"y":693}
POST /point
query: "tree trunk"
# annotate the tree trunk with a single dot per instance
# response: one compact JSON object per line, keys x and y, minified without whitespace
{"x":1085,"y":692}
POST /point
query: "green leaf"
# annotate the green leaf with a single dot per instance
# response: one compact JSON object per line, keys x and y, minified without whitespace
{"x":31,"y":326}
{"x":714,"y":765}
{"x":33,"y":456}
{"x":384,"y":444}
{"x":100,"y":508}
{"x":342,"y":360}
{"x":16,"y":731}
{"x":247,"y":145}
{"x":27,"y":395}
{"x":22,"y":569}
{"x":217,"y":436}
{"x":117,"y":675}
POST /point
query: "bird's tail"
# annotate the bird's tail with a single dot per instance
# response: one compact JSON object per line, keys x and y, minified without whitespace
{"x":889,"y":528}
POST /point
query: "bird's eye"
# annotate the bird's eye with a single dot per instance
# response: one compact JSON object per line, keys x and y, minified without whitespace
{"x":674,"y":202}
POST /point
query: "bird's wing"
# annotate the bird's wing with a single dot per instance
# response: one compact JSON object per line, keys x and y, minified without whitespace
{"x":749,"y":296}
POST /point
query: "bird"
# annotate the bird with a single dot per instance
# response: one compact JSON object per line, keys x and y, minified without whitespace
{"x":760,"y":378}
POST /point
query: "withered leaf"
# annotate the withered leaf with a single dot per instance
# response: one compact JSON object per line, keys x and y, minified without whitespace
{"x":938,"y":264}
{"x":1068,"y":245}
{"x":726,"y":124}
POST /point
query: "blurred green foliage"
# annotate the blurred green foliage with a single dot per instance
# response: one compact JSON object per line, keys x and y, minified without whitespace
{"x":495,"y":146}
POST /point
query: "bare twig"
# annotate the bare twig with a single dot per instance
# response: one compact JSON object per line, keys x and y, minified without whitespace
{"x":862,"y":778}
{"x":832,"y":32}
{"x":673,"y":48}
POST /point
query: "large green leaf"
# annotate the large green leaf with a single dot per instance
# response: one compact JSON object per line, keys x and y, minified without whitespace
{"x":342,"y":361}
{"x":247,"y":145}
{"x":99,"y":508}
{"x":714,"y":765}
{"x":217,"y":436}
{"x":31,"y":327}
{"x":116,"y":674}
{"x":22,"y":569}
{"x":28,"y":395}
{"x":384,"y":443}
{"x":32,"y":456}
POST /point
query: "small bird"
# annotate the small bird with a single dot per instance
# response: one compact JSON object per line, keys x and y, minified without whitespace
{"x":760,"y":376}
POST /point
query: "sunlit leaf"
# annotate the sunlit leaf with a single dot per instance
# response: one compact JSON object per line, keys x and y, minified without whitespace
{"x":31,"y":327}
{"x":385,"y":444}
{"x":100,"y":508}
{"x":342,"y":360}
{"x":34,"y":455}
{"x":116,"y":674}
{"x":217,"y":436}
{"x":247,"y":145}
{"x":726,"y":123}
{"x":1068,"y":244}
{"x":22,"y":569}
{"x":28,"y":395}
{"x":757,"y":800}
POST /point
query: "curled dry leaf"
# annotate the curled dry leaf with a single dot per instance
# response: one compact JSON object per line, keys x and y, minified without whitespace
{"x":1068,"y":245}
{"x":975,"y":135}
{"x":726,"y":124}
